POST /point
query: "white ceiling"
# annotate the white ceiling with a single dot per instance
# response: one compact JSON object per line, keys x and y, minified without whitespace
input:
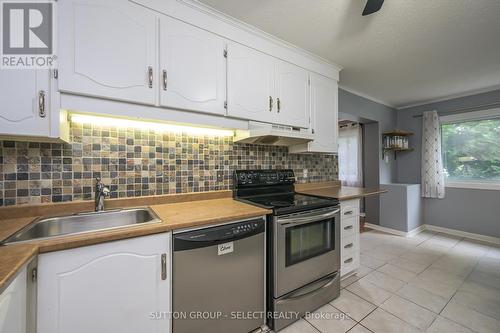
{"x":411,"y":52}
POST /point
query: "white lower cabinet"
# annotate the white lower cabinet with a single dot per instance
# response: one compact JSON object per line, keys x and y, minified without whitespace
{"x":349,"y":235}
{"x":13,"y":305}
{"x":112,"y":287}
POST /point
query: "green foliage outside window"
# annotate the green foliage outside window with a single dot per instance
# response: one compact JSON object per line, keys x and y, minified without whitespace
{"x":471,"y":150}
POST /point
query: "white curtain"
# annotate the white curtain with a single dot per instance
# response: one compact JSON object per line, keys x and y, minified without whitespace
{"x":432,"y":163}
{"x":350,"y":156}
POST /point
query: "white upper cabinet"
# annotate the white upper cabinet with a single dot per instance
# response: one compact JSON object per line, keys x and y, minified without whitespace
{"x":324,"y":116}
{"x":250,"y":84}
{"x":292,"y":95}
{"x":192,"y":68}
{"x":264,"y":88}
{"x":104,"y":288}
{"x":25,"y":103}
{"x":108,"y":48}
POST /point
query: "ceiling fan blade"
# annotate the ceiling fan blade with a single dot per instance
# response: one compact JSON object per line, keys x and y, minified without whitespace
{"x":372,"y":6}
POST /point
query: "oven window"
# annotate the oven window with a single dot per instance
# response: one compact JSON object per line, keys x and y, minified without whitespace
{"x":309,"y":240}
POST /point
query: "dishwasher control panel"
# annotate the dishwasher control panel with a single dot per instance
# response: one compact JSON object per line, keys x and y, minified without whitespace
{"x":219,"y":234}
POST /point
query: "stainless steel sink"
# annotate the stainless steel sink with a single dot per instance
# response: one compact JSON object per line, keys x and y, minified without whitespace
{"x":82,"y":223}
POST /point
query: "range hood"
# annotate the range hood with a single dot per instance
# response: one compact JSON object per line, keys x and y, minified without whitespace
{"x":273,"y":135}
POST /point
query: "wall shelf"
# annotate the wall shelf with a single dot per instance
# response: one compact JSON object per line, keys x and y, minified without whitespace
{"x":395,"y":141}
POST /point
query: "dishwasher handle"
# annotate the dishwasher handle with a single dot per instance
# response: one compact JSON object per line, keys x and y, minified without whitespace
{"x":217,"y":235}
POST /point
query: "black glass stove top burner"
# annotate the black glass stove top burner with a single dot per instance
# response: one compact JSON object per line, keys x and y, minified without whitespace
{"x":274,"y":189}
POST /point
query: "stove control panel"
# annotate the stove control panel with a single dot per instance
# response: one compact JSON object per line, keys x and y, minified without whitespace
{"x":264,"y":177}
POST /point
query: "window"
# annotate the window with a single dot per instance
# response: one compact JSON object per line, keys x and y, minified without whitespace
{"x":471,"y":149}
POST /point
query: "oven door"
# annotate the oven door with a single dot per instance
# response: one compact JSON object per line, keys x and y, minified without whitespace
{"x":306,"y":248}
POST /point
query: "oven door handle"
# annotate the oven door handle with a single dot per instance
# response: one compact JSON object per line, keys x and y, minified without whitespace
{"x":316,"y":287}
{"x":306,"y":218}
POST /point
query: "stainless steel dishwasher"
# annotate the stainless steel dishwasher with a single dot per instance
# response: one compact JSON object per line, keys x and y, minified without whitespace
{"x":218,"y":278}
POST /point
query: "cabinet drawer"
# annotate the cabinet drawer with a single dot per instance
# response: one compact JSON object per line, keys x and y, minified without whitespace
{"x":348,"y":265}
{"x":349,"y":208}
{"x":349,"y":245}
{"x":349,"y":226}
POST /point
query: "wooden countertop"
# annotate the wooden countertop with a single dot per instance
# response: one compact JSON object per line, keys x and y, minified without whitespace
{"x":173,"y":215}
{"x":343,"y":192}
{"x":12,"y":259}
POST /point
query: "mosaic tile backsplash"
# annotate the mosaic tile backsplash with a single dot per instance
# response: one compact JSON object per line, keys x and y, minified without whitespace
{"x":135,"y":162}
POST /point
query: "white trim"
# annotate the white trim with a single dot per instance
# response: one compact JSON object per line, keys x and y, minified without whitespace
{"x":450,"y":97}
{"x":448,"y":231}
{"x":470,"y":116}
{"x":464,"y":234}
{"x":360,"y":94}
{"x":476,"y":186}
{"x":391,"y":231}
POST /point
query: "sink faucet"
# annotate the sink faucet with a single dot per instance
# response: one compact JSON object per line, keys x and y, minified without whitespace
{"x":101,"y":191}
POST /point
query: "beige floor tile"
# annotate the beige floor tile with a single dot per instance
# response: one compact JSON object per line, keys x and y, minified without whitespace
{"x":353,"y":305}
{"x":409,"y":312}
{"x":485,"y":279}
{"x":443,"y":325}
{"x":482,"y":290}
{"x":489,"y":306}
{"x":361,"y":271}
{"x":443,"y":240}
{"x":489,"y":265}
{"x":397,"y":272}
{"x":438,"y":288}
{"x":409,"y":265}
{"x":433,"y":274}
{"x":369,"y":292}
{"x":470,"y":318}
{"x":328,"y":319}
{"x":301,"y":326}
{"x":384,"y":253}
{"x":423,"y":298}
{"x":359,"y":329}
{"x":380,"y":321}
{"x":384,"y":281}
{"x":371,"y":262}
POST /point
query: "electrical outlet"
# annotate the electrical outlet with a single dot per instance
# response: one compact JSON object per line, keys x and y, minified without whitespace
{"x":220,"y":176}
{"x":305,"y":172}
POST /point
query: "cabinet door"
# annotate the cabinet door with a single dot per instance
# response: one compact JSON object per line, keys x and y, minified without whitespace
{"x":292,"y":85}
{"x":193,"y":68}
{"x":250,"y":84}
{"x":324,"y":114}
{"x":110,"y":287}
{"x":108,"y":49}
{"x":20,"y":102}
{"x":13,"y":305}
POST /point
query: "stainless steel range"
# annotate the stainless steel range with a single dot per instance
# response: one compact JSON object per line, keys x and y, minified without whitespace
{"x":303,"y":243}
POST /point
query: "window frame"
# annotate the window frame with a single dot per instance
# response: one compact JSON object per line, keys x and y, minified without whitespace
{"x":466,"y":117}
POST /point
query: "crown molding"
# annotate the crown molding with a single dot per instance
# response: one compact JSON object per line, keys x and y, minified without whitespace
{"x":453,"y":96}
{"x":360,"y":94}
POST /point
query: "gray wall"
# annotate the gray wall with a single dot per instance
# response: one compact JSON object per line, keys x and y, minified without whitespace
{"x":376,"y":119}
{"x":476,"y":211}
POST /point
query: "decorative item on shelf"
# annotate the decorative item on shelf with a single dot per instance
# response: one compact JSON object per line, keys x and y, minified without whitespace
{"x":396,"y":141}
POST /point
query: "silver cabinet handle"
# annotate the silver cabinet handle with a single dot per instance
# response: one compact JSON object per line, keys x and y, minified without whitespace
{"x":165,"y":79}
{"x":348,"y":246}
{"x":348,"y":261}
{"x":349,"y":212}
{"x":164,"y":266}
{"x":278,"y":104}
{"x":41,"y":104}
{"x":150,"y":77}
{"x":270,"y":103}
{"x":349,"y":227}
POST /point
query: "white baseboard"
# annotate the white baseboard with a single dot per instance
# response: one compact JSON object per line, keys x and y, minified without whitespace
{"x":453,"y":232}
{"x":464,"y":234}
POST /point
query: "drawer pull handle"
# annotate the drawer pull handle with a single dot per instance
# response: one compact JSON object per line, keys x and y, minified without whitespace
{"x":348,"y":213}
{"x":150,"y":77}
{"x":348,"y":246}
{"x":348,"y":261}
{"x":349,"y":227}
